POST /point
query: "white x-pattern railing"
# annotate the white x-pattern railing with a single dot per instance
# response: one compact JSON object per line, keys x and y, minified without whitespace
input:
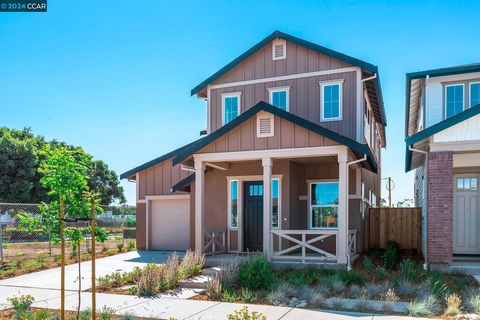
{"x":302,"y":244}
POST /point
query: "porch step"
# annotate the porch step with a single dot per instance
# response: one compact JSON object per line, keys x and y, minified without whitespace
{"x":198,"y":282}
{"x":210,"y":271}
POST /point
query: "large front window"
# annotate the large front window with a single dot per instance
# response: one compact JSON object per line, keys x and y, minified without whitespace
{"x":323,"y":204}
{"x":454,"y":100}
{"x":231,"y":107}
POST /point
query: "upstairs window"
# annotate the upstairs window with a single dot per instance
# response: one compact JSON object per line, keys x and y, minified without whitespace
{"x":454,"y":101}
{"x":231,"y":106}
{"x":331,"y":101}
{"x":474,"y":94}
{"x":279,"y":97}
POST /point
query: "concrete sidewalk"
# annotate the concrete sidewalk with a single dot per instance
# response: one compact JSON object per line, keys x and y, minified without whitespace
{"x":177,"y":307}
{"x":50,"y":279}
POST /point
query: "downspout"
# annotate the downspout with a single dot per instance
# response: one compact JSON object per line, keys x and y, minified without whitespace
{"x":349,"y":265}
{"x":425,"y":265}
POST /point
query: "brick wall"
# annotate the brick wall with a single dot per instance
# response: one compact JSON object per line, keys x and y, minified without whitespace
{"x":440,"y":207}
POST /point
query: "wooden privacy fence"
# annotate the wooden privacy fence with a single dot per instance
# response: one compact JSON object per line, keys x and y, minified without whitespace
{"x":403,"y":225}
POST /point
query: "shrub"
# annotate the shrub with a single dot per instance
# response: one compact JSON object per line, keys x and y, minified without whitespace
{"x":355,"y":290}
{"x":405,"y":287}
{"x":316,"y":300}
{"x":228,"y":274}
{"x":106,"y":313}
{"x":120,"y":246}
{"x":214,"y":288}
{"x":22,"y":306}
{"x":427,"y":306}
{"x":473,"y":301}
{"x":230,"y":296}
{"x":247,"y":295}
{"x":255,"y":273}
{"x":192,"y":264}
{"x":381,"y":273}
{"x":389,"y":300}
{"x":338,"y":286}
{"x":373,"y":290}
{"x":352,"y":277}
{"x":244,"y":314}
{"x":276,"y":297}
{"x":149,"y":279}
{"x":85,"y":314}
{"x":408,"y":270}
{"x":131,"y":245}
{"x":169,"y":277}
{"x":392,"y":255}
{"x":128,"y":316}
{"x":368,"y":265}
{"x":133,"y":290}
{"x":439,"y":289}
{"x":453,"y":305}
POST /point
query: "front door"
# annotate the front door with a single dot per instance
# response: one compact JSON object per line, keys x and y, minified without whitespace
{"x":466,"y":215}
{"x":253,"y":216}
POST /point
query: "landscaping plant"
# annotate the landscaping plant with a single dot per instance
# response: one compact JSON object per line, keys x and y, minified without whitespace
{"x":22,"y":306}
{"x":214,"y":288}
{"x":473,"y":300}
{"x":244,"y":314}
{"x":453,"y":304}
{"x":392,"y":255}
{"x":255,"y":273}
{"x":191,"y":264}
{"x":424,"y":307}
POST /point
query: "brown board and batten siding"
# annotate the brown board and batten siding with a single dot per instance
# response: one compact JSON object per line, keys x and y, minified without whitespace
{"x":287,"y":135}
{"x":304,"y":92}
{"x":159,"y":179}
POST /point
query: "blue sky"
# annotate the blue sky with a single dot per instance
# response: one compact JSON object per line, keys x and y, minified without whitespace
{"x":114,"y":76}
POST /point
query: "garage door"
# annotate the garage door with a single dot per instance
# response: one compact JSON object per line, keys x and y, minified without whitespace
{"x":170,"y":228}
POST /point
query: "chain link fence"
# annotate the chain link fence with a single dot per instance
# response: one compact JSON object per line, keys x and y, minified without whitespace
{"x":19,"y":248}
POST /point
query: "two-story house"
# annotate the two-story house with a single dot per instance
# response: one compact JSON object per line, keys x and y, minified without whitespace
{"x":290,"y":160}
{"x":443,"y":145}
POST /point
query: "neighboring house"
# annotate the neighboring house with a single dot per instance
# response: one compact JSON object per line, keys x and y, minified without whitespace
{"x":443,"y":145}
{"x":290,"y":160}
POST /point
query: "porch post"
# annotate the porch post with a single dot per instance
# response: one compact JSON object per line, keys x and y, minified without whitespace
{"x":199,"y":204}
{"x":342,"y":208}
{"x":267,"y":204}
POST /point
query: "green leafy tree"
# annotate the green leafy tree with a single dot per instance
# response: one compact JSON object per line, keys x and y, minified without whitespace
{"x":21,"y":153}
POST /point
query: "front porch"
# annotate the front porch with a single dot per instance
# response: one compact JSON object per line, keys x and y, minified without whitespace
{"x":295,"y":206}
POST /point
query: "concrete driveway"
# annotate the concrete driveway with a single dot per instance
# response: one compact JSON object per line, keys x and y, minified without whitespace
{"x":50,"y":279}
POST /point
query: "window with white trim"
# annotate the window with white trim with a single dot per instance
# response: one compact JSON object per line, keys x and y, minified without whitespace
{"x":474,"y":94}
{"x":331,"y":101}
{"x":454,"y":99}
{"x":323,"y":205}
{"x":233,"y":204}
{"x":275,"y":216}
{"x":230,"y":106}
{"x":279,"y":97}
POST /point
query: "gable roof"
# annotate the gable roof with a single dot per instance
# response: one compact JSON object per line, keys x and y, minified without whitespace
{"x":155,"y":161}
{"x":278,"y":34}
{"x":357,"y":147}
{"x":436,"y":128}
{"x":440,"y":72}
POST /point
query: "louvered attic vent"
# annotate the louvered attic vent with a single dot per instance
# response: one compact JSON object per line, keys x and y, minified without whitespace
{"x":265,"y":125}
{"x":279,"y":49}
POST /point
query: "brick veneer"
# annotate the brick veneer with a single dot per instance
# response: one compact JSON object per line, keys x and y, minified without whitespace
{"x":440,"y":207}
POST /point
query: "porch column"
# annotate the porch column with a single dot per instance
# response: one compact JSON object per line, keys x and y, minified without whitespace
{"x":342,"y":208}
{"x":267,"y":204}
{"x":199,"y":204}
